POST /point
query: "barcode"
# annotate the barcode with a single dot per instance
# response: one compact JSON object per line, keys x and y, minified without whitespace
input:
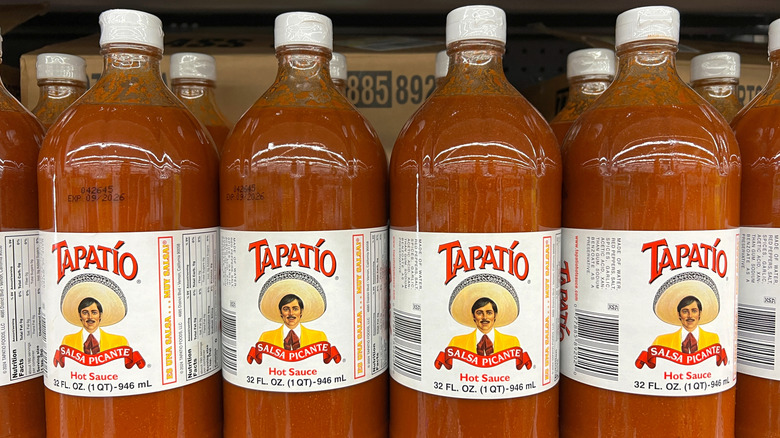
{"x":407,"y":344}
{"x":756,"y":336}
{"x":596,"y":344}
{"x":229,"y":355}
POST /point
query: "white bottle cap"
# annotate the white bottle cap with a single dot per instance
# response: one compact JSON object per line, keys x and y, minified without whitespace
{"x":338,"y":66}
{"x":61,"y":66}
{"x":129,"y":26}
{"x":774,"y":35}
{"x":193,"y":66}
{"x":476,"y":23}
{"x":588,"y":62}
{"x":303,"y":28}
{"x":715,"y":65}
{"x":647,"y":23}
{"x":442,"y":64}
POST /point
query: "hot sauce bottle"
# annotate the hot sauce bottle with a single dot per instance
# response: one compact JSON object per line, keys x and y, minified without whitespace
{"x":475,"y":209}
{"x":715,"y":76}
{"x":193,"y":81}
{"x":62,"y":79}
{"x":21,"y":355}
{"x":758,"y":387}
{"x":338,"y":72}
{"x":303,"y":187}
{"x":128,"y":208}
{"x":650,"y":214}
{"x":589,"y":71}
{"x":440,"y":69}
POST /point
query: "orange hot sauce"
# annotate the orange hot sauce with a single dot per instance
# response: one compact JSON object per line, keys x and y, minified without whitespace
{"x":193,"y":81}
{"x":590,"y":71}
{"x":648,"y":155}
{"x":475,"y":158}
{"x":21,"y":404}
{"x":128,"y":131}
{"x":309,"y":161}
{"x":758,"y":399}
{"x":715,"y":76}
{"x":61,"y":79}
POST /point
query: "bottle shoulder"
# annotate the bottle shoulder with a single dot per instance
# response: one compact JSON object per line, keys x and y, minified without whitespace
{"x":459,"y":128}
{"x":129,"y":134}
{"x":321,"y":136}
{"x":638,"y":137}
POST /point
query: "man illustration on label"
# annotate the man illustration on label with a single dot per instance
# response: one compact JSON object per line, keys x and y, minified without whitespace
{"x":687,"y":300}
{"x":484,"y":312}
{"x":92,"y":301}
{"x":294,"y":298}
{"x":486,"y":301}
{"x":292,"y":335}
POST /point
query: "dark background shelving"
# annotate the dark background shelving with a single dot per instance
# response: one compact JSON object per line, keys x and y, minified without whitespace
{"x":540,"y":33}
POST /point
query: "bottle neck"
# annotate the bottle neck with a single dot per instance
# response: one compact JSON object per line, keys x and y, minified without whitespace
{"x":647,"y":75}
{"x":588,"y":87}
{"x":189,"y":88}
{"x":717,"y":88}
{"x":61,"y":88}
{"x":774,"y":72}
{"x":131,"y":75}
{"x":476,"y":67}
{"x":119,"y":58}
{"x":639,"y":59}
{"x":303,"y":79}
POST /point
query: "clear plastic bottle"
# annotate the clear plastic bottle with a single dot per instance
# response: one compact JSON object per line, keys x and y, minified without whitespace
{"x":715,"y":76}
{"x":651,"y":184}
{"x":62,"y":79}
{"x":22,"y":411}
{"x":475,"y":176}
{"x":129,"y":213}
{"x":758,"y":386}
{"x":589,"y":71}
{"x":338,"y":72}
{"x":193,"y":81}
{"x":303,"y":182}
{"x":442,"y":64}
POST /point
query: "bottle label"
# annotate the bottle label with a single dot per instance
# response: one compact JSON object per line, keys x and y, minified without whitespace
{"x":130,"y":313}
{"x":21,"y":325}
{"x":304,"y":311}
{"x":475,"y":315}
{"x":759,"y":293}
{"x":650,"y":312}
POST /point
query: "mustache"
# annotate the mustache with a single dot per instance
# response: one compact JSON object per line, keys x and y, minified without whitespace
{"x":484,"y":321}
{"x":91,"y":321}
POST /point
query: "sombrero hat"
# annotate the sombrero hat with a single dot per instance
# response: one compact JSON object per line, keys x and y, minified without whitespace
{"x":488,"y":286}
{"x":297,"y":283}
{"x":682,"y":285}
{"x":105,"y":291}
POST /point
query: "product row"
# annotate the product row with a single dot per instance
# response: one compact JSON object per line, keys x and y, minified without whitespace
{"x":290,"y":284}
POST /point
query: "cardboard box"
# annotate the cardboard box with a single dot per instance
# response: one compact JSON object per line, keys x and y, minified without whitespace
{"x":549,"y":96}
{"x":388,"y":76}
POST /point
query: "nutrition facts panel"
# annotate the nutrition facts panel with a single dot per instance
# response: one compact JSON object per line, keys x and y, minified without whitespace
{"x":201,"y":305}
{"x":21,"y":352}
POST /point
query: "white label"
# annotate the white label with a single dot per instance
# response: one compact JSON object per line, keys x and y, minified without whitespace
{"x":304,"y":311}
{"x":475,"y":315}
{"x":157,"y":323}
{"x":759,"y":292}
{"x":21,"y":327}
{"x":630,"y":299}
